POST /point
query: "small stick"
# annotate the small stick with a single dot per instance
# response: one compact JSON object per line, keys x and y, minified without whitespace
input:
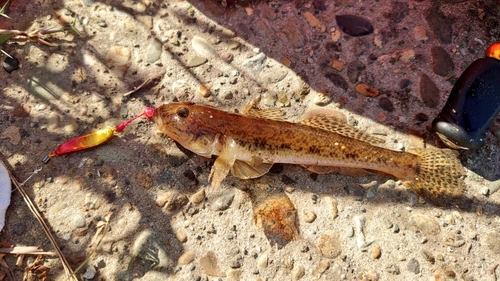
{"x":493,"y":271}
{"x":138,"y":88}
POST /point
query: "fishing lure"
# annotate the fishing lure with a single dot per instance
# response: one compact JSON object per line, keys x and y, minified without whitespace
{"x":473,"y":104}
{"x":95,"y":138}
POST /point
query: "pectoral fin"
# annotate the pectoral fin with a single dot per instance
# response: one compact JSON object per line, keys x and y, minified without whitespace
{"x":335,"y":125}
{"x":223,"y":163}
{"x":245,"y":170}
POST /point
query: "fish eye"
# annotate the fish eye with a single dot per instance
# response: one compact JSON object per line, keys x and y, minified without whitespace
{"x":182,"y":112}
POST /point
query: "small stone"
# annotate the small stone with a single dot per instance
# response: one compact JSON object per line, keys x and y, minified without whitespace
{"x":454,"y":240}
{"x":354,"y":25}
{"x":286,"y":61}
{"x":407,"y":56}
{"x":256,"y":63}
{"x":376,"y":252}
{"x":386,"y":104}
{"x":493,"y":187}
{"x":181,"y":235}
{"x":371,"y":275}
{"x":424,"y":223}
{"x":321,"y":99}
{"x":174,"y":200}
{"x":429,"y":92}
{"x":314,"y":22}
{"x":320,"y":269}
{"x":393,"y":269}
{"x":53,"y":121}
{"x":209,"y":265}
{"x":154,"y":51}
{"x":366,"y":90}
{"x":309,"y":215}
{"x":10,"y":64}
{"x":262,"y":261}
{"x":186,"y":258}
{"x":428,"y":256}
{"x":440,"y":24}
{"x":420,"y":34}
{"x":198,"y":197}
{"x":202,"y":47}
{"x":12,"y":133}
{"x":332,"y":206}
{"x":22,"y":110}
{"x":204,"y":90}
{"x":79,"y":221}
{"x":338,"y":65}
{"x":195,"y":61}
{"x":149,"y":251}
{"x":413,"y":266}
{"x":337,"y":79}
{"x":298,"y":272}
{"x":442,"y":64}
{"x":224,"y":200}
{"x":117,"y":57}
{"x":89,"y":273}
{"x":335,"y":35}
{"x":329,"y":244}
{"x":71,"y":126}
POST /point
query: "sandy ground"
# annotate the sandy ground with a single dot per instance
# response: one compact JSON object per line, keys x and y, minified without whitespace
{"x":152,"y":197}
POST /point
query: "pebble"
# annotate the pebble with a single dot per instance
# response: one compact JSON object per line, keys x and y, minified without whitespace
{"x":53,"y":121}
{"x":22,"y":110}
{"x":442,"y":64}
{"x":429,"y":92}
{"x":393,"y":269}
{"x":407,"y":56}
{"x":79,"y":221}
{"x":413,"y":266}
{"x":277,"y":217}
{"x":354,"y":25}
{"x":454,"y":240}
{"x":309,"y":215}
{"x":376,"y":252}
{"x":12,"y":133}
{"x":71,"y":126}
{"x":424,"y":223}
{"x":268,"y":12}
{"x":441,"y":26}
{"x":10,"y":64}
{"x":256,"y":63}
{"x":286,"y":61}
{"x":154,"y":51}
{"x":298,"y":272}
{"x":493,"y":187}
{"x":314,"y":22}
{"x":366,"y":90}
{"x":332,"y":206}
{"x":337,"y":79}
{"x":292,"y":28}
{"x":90,"y":273}
{"x":420,"y":34}
{"x":320,"y":269}
{"x":329,"y":244}
{"x":172,"y":200}
{"x":181,"y":235}
{"x":321,"y":98}
{"x":118,"y":57}
{"x":198,"y":197}
{"x":202,"y":47}
{"x":208,"y":264}
{"x":428,"y":256}
{"x":186,"y":258}
{"x":195,"y":61}
{"x":262,"y":261}
{"x":224,"y":200}
{"x":338,"y":65}
{"x":335,"y":35}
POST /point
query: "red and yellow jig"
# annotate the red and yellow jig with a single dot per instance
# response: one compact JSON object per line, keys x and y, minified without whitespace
{"x":95,"y":138}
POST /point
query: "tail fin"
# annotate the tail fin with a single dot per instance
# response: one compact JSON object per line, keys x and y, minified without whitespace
{"x":439,"y":176}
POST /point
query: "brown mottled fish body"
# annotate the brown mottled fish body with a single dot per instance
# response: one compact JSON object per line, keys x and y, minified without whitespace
{"x":248,"y":146}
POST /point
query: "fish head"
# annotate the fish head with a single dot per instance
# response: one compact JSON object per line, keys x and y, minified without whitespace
{"x":186,"y":123}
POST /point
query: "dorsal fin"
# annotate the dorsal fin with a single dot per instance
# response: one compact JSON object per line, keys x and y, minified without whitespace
{"x":268,"y":113}
{"x":332,"y":124}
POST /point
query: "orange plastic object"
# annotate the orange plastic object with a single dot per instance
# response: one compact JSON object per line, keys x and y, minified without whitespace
{"x":93,"y":139}
{"x":493,"y":51}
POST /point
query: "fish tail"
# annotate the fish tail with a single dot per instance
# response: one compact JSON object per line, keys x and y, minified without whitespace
{"x":439,"y":176}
